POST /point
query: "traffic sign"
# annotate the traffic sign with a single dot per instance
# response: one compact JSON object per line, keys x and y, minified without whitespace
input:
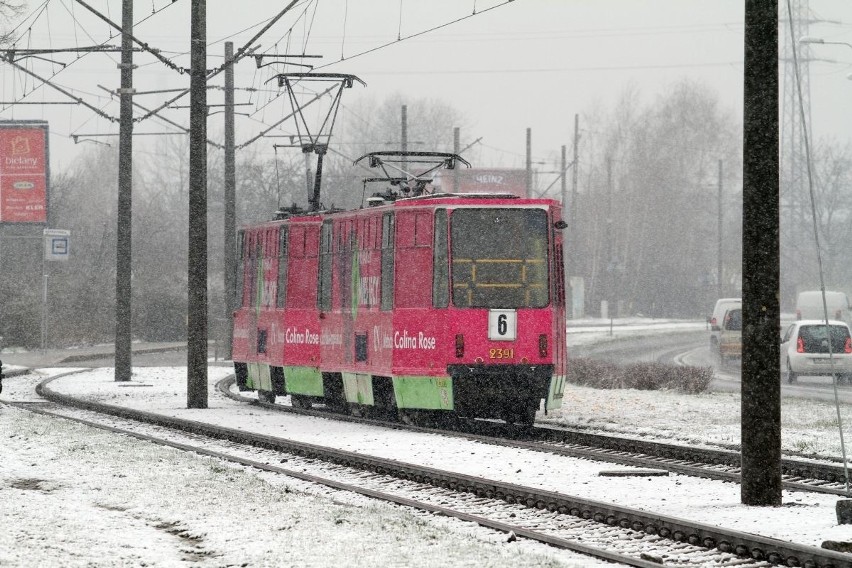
{"x":56,"y":244}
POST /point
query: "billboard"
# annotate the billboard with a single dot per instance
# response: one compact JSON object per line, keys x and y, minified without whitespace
{"x":24,"y":172}
{"x":479,"y":180}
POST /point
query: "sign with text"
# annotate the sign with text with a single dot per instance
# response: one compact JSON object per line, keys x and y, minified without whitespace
{"x":477,"y":180}
{"x":57,"y":244}
{"x":23,"y":172}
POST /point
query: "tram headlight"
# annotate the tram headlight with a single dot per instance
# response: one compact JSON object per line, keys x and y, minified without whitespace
{"x":542,"y":345}
{"x":459,"y":345}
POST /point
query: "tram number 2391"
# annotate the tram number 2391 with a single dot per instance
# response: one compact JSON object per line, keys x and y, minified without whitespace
{"x":501,"y":353}
{"x":502,"y":325}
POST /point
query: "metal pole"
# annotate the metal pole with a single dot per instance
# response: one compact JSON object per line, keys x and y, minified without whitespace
{"x":761,"y":389}
{"x":456,"y":148}
{"x":404,"y":138}
{"x":124,"y":212}
{"x":196,"y":337}
{"x":315,"y":200}
{"x":571,"y":262}
{"x":576,"y":167}
{"x":565,"y":283}
{"x":230,"y":241}
{"x":43,"y":300}
{"x":564,"y":180}
{"x":529,"y":162}
{"x":719,"y":275}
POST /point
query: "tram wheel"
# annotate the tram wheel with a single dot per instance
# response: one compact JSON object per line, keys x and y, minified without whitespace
{"x":524,"y":416}
{"x":300,"y":401}
{"x":266,"y":396}
{"x":420,"y":418}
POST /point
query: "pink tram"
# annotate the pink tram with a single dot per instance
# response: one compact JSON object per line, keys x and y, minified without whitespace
{"x":426,"y":306}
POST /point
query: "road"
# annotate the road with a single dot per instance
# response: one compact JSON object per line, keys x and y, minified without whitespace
{"x":692,"y":348}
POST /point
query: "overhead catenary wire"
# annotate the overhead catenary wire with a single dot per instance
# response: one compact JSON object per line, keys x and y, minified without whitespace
{"x":308,"y":16}
{"x":420,"y":33}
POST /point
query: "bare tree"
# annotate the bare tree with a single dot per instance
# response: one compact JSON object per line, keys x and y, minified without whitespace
{"x":832,"y":210}
{"x":649,"y":217}
{"x":9,"y":10}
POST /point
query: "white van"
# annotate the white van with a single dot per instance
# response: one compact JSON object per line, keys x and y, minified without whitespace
{"x":715,"y":321}
{"x":809,"y":306}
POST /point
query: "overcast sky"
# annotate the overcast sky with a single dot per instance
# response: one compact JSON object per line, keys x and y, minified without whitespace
{"x":526,"y":63}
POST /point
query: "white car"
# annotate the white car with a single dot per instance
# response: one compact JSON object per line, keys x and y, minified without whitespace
{"x":731,"y":336}
{"x":715,"y":321}
{"x":805,"y":350}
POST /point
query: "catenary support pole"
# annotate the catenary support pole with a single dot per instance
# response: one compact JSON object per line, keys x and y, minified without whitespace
{"x":124,"y":212}
{"x":719,"y":276}
{"x":196,"y":337}
{"x":574,"y":174}
{"x":529,"y":162}
{"x":404,"y":135}
{"x":761,"y":384}
{"x":456,"y":149}
{"x":571,"y":261}
{"x":565,"y":243}
{"x":230,"y":241}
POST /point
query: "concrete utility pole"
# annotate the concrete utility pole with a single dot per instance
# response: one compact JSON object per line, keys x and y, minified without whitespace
{"x":404,"y":134}
{"x":196,"y":336}
{"x":230,"y":241}
{"x":719,"y":275}
{"x":529,"y":162}
{"x":565,"y":243}
{"x":456,"y":150}
{"x":576,"y":167}
{"x":570,"y":243}
{"x":124,"y":211}
{"x":761,"y":388}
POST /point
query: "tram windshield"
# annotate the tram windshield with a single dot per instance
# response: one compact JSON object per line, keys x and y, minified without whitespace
{"x":499,"y":258}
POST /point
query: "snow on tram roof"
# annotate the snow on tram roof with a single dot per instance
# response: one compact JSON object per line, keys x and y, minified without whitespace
{"x":295,"y":213}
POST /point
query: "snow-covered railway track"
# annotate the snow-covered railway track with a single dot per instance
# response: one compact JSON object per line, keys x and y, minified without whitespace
{"x":709,"y":463}
{"x":619,"y":534}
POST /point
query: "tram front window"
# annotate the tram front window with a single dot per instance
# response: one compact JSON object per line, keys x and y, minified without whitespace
{"x":499,"y":258}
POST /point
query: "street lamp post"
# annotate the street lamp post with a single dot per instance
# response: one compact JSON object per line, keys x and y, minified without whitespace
{"x":820,"y":41}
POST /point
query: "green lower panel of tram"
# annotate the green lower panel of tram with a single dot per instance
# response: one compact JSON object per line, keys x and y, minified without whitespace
{"x":431,"y":393}
{"x":303,"y":380}
{"x":259,"y":377}
{"x":554,"y":393}
{"x":358,"y":388}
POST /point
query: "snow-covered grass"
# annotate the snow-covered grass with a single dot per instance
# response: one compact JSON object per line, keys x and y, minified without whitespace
{"x":808,"y":427}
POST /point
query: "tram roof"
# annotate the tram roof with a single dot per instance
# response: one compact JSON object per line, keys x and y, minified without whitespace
{"x":432,"y":199}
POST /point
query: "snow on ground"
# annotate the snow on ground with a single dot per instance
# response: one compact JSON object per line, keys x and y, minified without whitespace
{"x":596,"y":330}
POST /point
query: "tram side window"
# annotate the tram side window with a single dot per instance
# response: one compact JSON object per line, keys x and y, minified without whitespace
{"x":324,"y":280}
{"x":387,"y":260}
{"x":257,"y":271}
{"x":282,"y":267}
{"x":441,"y":274}
{"x":251,"y":272}
{"x":238,"y":298}
{"x":559,"y":277}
